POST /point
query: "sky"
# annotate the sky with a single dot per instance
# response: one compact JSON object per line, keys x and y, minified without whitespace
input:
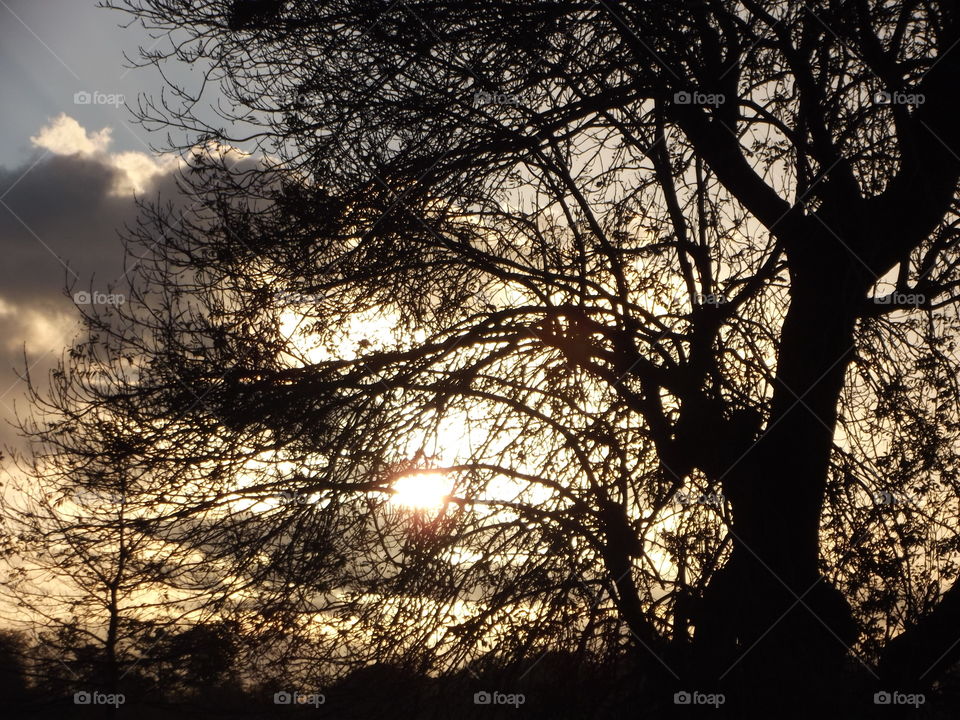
{"x":50,"y":50}
{"x":71,"y":161}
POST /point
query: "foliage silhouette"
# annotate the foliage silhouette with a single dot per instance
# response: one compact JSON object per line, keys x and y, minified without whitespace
{"x":665,"y":290}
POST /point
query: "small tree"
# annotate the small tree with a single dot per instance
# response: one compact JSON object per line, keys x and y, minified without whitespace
{"x":90,"y":575}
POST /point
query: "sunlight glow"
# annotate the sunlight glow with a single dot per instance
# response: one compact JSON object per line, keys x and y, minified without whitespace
{"x":423,"y":491}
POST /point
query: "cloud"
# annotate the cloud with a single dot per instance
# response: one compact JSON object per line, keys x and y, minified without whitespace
{"x":61,"y":213}
{"x":60,"y":216}
{"x":135,"y":172}
{"x":65,"y":136}
{"x":37,"y":326}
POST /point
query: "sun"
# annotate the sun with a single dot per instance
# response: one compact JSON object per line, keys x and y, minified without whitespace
{"x":422,"y":491}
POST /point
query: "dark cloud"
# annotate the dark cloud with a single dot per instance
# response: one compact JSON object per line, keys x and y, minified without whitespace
{"x":59,"y":222}
{"x":60,"y":214}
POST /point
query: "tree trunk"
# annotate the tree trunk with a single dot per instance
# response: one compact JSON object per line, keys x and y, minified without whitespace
{"x":774,"y":632}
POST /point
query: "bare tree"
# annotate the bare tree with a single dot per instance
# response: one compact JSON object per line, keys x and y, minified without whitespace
{"x":98,"y":584}
{"x":626,"y":251}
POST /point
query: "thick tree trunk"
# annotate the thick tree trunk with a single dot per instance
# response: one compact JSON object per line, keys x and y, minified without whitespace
{"x":774,"y":632}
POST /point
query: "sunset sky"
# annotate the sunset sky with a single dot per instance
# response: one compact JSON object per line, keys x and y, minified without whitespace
{"x":348,"y":341}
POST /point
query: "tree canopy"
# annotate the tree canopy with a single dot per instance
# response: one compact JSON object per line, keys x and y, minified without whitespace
{"x":665,"y":294}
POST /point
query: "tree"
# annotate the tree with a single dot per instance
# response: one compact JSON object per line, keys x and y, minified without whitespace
{"x":633,"y":250}
{"x":87,"y":570}
{"x":13,"y":670}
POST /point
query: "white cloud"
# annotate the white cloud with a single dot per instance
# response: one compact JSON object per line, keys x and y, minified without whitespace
{"x":58,"y":229}
{"x":140,"y":170}
{"x":135,"y":171}
{"x":65,"y":136}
